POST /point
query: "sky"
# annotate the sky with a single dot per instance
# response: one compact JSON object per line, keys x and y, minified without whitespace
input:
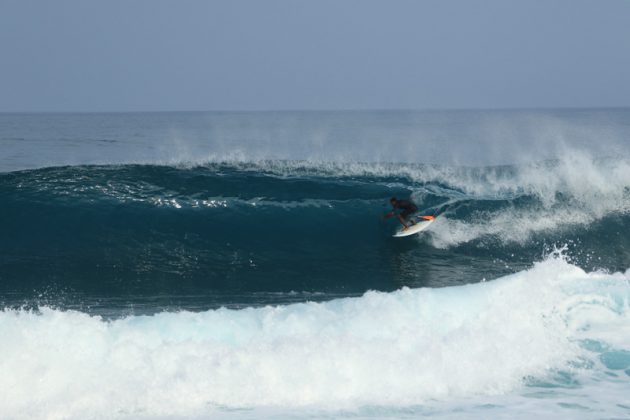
{"x":181,"y":55}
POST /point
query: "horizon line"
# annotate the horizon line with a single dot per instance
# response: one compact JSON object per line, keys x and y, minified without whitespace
{"x":315,"y":110}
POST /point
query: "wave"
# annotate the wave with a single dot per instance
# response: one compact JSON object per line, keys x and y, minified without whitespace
{"x":552,"y":327}
{"x":578,"y":185}
{"x":283,"y":227}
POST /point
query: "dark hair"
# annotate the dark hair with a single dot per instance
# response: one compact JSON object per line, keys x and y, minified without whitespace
{"x":392,"y":200}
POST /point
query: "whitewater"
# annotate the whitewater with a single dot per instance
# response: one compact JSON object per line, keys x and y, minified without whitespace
{"x":236,"y":265}
{"x":552,"y":334}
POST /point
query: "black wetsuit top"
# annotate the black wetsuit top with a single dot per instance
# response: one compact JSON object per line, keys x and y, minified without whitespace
{"x":407,"y":207}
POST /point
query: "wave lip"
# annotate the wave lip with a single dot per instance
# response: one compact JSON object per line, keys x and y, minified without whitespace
{"x":383,"y":349}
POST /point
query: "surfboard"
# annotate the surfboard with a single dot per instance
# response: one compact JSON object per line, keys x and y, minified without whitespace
{"x":422,"y":224}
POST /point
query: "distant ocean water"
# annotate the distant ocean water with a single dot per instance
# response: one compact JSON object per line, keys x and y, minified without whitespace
{"x":237,"y":265}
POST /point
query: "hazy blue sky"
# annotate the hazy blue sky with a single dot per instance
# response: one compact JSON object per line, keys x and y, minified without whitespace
{"x":120,"y":55}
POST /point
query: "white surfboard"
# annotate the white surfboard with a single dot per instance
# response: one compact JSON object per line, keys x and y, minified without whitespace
{"x":420,"y":225}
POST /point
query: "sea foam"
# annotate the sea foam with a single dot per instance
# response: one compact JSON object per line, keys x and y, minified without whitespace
{"x":404,"y":348}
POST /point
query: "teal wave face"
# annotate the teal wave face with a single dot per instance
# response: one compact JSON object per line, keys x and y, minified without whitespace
{"x":275,"y":232}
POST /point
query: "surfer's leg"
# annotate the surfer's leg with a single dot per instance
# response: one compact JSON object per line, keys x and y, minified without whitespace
{"x":404,"y":218}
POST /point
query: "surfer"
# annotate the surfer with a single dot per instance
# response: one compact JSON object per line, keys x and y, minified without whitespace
{"x":408,"y":208}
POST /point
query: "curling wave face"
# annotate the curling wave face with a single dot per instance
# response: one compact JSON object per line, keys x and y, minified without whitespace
{"x":241,"y":233}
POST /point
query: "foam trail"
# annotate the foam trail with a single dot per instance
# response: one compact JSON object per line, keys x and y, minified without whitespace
{"x":382,"y":349}
{"x":575,"y":191}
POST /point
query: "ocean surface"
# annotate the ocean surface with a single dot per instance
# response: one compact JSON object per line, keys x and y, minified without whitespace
{"x":237,"y":265}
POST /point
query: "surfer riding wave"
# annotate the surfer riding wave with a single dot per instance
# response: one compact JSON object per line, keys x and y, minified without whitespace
{"x":408,"y":208}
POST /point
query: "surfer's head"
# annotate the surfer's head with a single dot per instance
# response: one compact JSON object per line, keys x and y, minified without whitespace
{"x":393,"y":200}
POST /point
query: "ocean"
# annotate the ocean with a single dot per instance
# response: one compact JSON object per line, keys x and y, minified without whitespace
{"x":237,"y":265}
